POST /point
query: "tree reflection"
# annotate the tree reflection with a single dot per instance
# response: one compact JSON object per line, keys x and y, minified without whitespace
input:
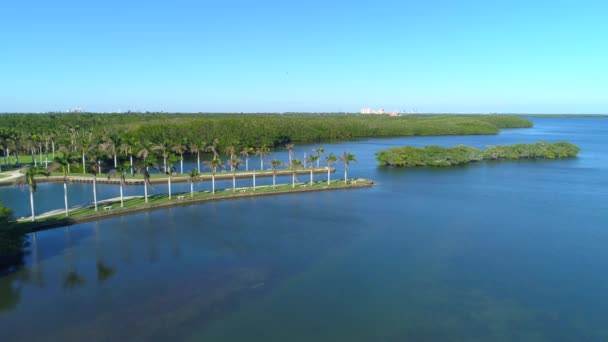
{"x":10,"y":295}
{"x":104,"y":272}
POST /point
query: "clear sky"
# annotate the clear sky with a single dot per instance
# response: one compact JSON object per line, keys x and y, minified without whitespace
{"x":253,"y":56}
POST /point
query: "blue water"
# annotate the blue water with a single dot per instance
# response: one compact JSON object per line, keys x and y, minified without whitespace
{"x":489,"y":252}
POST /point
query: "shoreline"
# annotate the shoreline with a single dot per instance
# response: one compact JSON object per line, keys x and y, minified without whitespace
{"x":179,"y":178}
{"x":182,"y":199}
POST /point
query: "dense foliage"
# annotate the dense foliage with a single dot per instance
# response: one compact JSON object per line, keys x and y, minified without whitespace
{"x":409,"y":156}
{"x":114,"y":138}
{"x":12,"y":240}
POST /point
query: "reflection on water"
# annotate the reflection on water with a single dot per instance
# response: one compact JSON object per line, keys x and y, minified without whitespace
{"x":491,"y":251}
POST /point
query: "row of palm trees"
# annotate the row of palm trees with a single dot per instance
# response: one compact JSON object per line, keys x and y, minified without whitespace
{"x":63,"y":162}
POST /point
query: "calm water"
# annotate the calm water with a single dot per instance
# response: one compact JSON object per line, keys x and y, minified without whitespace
{"x":496,"y":251}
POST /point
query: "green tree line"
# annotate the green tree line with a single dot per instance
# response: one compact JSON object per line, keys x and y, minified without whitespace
{"x":409,"y":156}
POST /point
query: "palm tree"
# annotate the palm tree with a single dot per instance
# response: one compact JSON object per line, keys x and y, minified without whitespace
{"x":120,"y":171}
{"x":85,"y":145}
{"x":346,"y":159}
{"x":290,"y":150}
{"x":194,"y":176}
{"x":63,"y":162}
{"x":294,"y":166}
{"x":234,"y":163}
{"x":319,"y":151}
{"x":145,"y":172}
{"x":127,"y":148}
{"x":212,"y":147}
{"x":213,"y":165}
{"x":262,"y":152}
{"x":180,"y":149}
{"x":330,"y":159}
{"x":171,"y":159}
{"x":230,"y":150}
{"x":311,"y":161}
{"x":95,"y":169}
{"x":197,"y":148}
{"x":29,"y":179}
{"x":274,"y":164}
{"x":246,"y":152}
{"x":144,"y":151}
{"x":163,"y":150}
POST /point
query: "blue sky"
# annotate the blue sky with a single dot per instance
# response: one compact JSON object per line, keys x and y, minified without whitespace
{"x":253,"y":56}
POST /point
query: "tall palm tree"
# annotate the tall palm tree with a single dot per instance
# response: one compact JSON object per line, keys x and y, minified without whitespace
{"x":146,"y":174}
{"x":319,"y":151}
{"x":311,"y":161}
{"x":294,"y":166}
{"x":63,"y":162}
{"x":126,"y":148}
{"x":171,"y":159}
{"x":197,"y":148}
{"x":180,"y":149}
{"x":95,"y":170}
{"x":29,"y":179}
{"x":163,"y":150}
{"x":262,"y":152}
{"x":229,"y":151}
{"x":290,"y":150}
{"x":274,"y":164}
{"x":193,"y":176}
{"x":214,"y":164}
{"x":120,"y":172}
{"x":246,"y":152}
{"x":85,"y":144}
{"x":234,"y":163}
{"x":346,"y":159}
{"x":212,"y":147}
{"x":330,"y":159}
{"x":144,"y":150}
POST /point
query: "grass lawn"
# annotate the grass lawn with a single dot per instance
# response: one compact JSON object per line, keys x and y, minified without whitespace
{"x":162,"y":200}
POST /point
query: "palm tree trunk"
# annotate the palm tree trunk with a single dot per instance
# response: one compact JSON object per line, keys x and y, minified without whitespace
{"x":169,"y":183}
{"x":345,"y":173}
{"x":191,"y":189}
{"x":213,"y":182}
{"x":198,"y":161}
{"x":293,"y":180}
{"x":318,"y":160}
{"x":274,"y":180}
{"x":115,"y":161}
{"x":84,"y":171}
{"x":233,"y":182}
{"x":65,"y":196}
{"x":181,"y":162}
{"x":165,"y":163}
{"x":32,"y":205}
{"x":53,"y":147}
{"x":95,"y":191}
{"x":311,"y":177}
{"x":247,"y":164}
{"x":328,"y":175}
{"x":146,"y":191}
{"x":131,"y":163}
{"x":261,"y":163}
{"x":122,"y":201}
{"x":33,"y":159}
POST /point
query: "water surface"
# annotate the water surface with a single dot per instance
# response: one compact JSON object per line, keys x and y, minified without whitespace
{"x":490,"y":252}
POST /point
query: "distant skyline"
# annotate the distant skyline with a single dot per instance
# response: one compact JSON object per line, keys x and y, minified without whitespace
{"x":316,"y":56}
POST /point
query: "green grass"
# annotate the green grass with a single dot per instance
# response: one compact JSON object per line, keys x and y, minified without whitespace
{"x":163,"y":200}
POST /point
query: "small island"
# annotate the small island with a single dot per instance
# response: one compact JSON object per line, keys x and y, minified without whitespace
{"x":409,"y":156}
